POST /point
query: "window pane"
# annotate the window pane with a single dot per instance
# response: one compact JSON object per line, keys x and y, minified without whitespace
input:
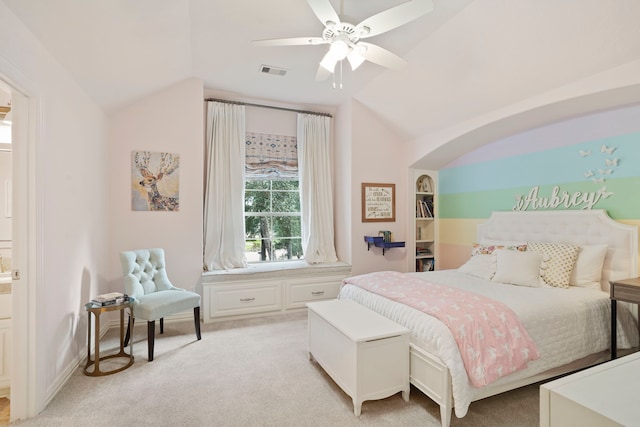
{"x":288,"y":249}
{"x":286,"y":226}
{"x":285,"y":185}
{"x":286,"y":202}
{"x":256,"y":185}
{"x":257,"y":227}
{"x":259,"y":250}
{"x":256,"y":201}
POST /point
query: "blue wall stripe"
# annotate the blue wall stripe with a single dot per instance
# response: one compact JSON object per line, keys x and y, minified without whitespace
{"x":549,"y":167}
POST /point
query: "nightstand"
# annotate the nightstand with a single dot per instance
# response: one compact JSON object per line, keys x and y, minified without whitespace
{"x":127,"y":361}
{"x":627,"y":290}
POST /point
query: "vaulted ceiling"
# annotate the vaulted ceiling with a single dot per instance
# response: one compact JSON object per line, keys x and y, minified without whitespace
{"x":465,"y":59}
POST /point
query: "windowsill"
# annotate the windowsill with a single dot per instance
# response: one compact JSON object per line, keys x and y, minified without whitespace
{"x":275,"y":269}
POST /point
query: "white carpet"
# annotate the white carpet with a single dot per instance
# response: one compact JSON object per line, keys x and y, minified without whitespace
{"x":253,"y":372}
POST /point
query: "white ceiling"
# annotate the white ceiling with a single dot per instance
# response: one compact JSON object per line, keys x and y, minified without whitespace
{"x":466,"y":58}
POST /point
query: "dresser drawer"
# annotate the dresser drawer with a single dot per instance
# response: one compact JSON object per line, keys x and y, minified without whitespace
{"x":244,"y":299}
{"x":300,"y":292}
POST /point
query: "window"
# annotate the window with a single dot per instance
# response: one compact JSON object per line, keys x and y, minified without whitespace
{"x":272,"y":220}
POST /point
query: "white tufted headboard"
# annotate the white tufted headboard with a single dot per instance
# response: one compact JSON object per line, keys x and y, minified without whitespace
{"x":578,"y":227}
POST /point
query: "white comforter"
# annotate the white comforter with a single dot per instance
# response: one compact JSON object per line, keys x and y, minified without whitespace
{"x":566,"y":325}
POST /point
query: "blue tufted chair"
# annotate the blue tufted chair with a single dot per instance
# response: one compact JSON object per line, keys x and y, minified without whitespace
{"x":145,"y":279}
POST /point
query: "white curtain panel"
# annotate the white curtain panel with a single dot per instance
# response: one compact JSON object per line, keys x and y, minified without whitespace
{"x":316,"y":196}
{"x":224,"y":187}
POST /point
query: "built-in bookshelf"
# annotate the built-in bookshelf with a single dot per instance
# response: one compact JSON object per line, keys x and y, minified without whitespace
{"x":424,"y":187}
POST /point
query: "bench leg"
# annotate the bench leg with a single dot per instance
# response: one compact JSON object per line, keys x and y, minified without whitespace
{"x":357,"y":407}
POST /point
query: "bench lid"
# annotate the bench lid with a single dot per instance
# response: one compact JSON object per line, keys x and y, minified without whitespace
{"x":355,"y":321}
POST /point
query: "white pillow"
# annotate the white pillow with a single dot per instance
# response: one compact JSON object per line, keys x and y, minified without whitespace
{"x":482,"y":266}
{"x":587,"y":272}
{"x":519,"y":268}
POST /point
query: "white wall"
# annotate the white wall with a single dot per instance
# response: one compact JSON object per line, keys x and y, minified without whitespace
{"x":70,"y":205}
{"x":377,"y":156}
{"x":342,"y":183}
{"x":168,"y":121}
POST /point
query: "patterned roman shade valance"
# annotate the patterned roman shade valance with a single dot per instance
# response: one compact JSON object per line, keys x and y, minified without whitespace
{"x":271,"y":156}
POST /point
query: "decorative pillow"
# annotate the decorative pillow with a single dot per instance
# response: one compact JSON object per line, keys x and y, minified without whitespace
{"x":587,"y":272}
{"x":562,"y":258}
{"x":480,"y":249}
{"x":482,"y":266}
{"x":519,"y":268}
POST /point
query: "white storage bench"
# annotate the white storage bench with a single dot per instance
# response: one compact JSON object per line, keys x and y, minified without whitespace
{"x":365,"y":353}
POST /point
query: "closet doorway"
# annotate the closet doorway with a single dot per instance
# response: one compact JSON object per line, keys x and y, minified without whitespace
{"x":18,"y":246}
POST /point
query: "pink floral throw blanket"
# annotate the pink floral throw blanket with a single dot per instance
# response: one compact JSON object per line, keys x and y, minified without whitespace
{"x":492,"y":341}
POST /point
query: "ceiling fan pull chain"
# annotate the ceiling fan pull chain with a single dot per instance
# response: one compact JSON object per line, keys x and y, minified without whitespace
{"x":334,"y":80}
{"x":340,"y":74}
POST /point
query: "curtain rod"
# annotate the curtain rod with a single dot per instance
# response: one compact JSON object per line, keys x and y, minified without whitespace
{"x":269,"y":106}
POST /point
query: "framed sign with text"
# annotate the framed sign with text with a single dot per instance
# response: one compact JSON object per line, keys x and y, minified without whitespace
{"x":378,"y":202}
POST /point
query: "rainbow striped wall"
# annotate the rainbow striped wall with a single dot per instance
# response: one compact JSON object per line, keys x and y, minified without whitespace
{"x":575,"y":172}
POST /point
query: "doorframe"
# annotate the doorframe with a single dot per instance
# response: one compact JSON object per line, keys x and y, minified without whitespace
{"x":26,"y":385}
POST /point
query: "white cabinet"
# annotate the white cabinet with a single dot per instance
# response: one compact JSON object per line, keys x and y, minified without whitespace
{"x":258,"y":290}
{"x":424,"y":185}
{"x":298,"y":292}
{"x":605,"y":395}
{"x":244,"y":298}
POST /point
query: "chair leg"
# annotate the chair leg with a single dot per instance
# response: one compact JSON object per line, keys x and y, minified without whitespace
{"x":196,"y":319}
{"x":162,"y":325}
{"x":151,"y":329}
{"x":127,"y":337}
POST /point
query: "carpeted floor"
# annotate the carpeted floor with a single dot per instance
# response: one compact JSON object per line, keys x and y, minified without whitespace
{"x":252,"y":372}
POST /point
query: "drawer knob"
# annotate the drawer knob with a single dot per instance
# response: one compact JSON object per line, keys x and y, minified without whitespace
{"x":247,"y":299}
{"x":317,"y":293}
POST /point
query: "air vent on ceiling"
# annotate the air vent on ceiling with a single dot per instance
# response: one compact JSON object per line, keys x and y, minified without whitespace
{"x":273,"y":70}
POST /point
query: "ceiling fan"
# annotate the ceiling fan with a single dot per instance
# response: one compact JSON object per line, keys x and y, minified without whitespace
{"x":344,"y":38}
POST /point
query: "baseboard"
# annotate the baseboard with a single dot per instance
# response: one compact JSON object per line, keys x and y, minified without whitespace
{"x":77,"y":362}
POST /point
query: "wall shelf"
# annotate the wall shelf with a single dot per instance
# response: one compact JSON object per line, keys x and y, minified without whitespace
{"x":380,"y":243}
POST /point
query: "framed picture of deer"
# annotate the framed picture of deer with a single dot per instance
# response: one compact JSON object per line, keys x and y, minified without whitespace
{"x":155,"y":183}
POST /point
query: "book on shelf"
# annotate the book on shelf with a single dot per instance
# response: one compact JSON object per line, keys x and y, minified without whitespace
{"x":423,"y":210}
{"x":422,"y":251}
{"x":111,"y":298}
{"x":427,"y":264}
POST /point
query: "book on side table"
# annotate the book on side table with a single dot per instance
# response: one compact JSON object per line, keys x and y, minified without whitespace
{"x":111,"y":298}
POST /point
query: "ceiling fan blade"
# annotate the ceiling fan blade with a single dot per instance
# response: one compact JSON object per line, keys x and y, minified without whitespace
{"x":294,"y":41}
{"x":394,"y":17}
{"x":380,"y":56}
{"x":324,"y":11}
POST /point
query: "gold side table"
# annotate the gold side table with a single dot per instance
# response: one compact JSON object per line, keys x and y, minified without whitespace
{"x":97,"y":310}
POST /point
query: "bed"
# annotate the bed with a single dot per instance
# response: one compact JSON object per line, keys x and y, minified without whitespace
{"x":569,"y":325}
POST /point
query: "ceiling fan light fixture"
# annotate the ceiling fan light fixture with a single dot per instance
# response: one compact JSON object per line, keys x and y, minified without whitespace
{"x":339,"y":49}
{"x":329,"y":63}
{"x":355,"y":60}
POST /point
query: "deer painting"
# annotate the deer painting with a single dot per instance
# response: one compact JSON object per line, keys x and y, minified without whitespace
{"x":168,"y":164}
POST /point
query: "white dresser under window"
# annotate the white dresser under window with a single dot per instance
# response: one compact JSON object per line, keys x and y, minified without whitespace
{"x":269,"y":288}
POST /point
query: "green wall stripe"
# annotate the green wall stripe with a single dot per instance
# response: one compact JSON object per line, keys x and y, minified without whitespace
{"x":623,"y":203}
